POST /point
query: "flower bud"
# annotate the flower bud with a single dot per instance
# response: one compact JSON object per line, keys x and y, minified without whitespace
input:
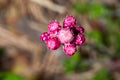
{"x":54,"y":27}
{"x":80,"y":39}
{"x":69,"y":21}
{"x":53,"y":43}
{"x":44,"y":36}
{"x":69,"y":49}
{"x":80,"y":29}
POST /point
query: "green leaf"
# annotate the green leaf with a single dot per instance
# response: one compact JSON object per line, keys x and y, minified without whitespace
{"x":84,"y":65}
{"x":92,"y":9}
{"x":97,"y":10}
{"x":96,"y":36}
{"x":102,"y":74}
{"x":9,"y":76}
{"x":80,"y":7}
{"x":71,"y":62}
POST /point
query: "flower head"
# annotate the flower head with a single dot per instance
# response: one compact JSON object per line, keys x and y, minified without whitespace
{"x":65,"y":35}
{"x":69,"y":36}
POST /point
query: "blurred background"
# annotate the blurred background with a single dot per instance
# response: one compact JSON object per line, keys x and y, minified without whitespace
{"x":24,"y":57}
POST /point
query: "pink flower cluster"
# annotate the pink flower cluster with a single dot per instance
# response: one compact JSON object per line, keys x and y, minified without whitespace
{"x":69,"y":36}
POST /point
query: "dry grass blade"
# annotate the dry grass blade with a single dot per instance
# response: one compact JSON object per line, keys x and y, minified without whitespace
{"x":37,"y":27}
{"x":35,"y":10}
{"x":48,"y":4}
{"x":8,"y":38}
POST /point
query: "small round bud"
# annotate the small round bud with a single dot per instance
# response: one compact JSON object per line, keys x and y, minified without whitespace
{"x":69,"y":49}
{"x":69,"y":21}
{"x":80,"y":29}
{"x":54,"y":27}
{"x":53,"y":43}
{"x":80,"y":39}
{"x":44,"y":36}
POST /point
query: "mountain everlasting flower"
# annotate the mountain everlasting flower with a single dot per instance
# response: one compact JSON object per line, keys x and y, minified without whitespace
{"x":70,"y":35}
